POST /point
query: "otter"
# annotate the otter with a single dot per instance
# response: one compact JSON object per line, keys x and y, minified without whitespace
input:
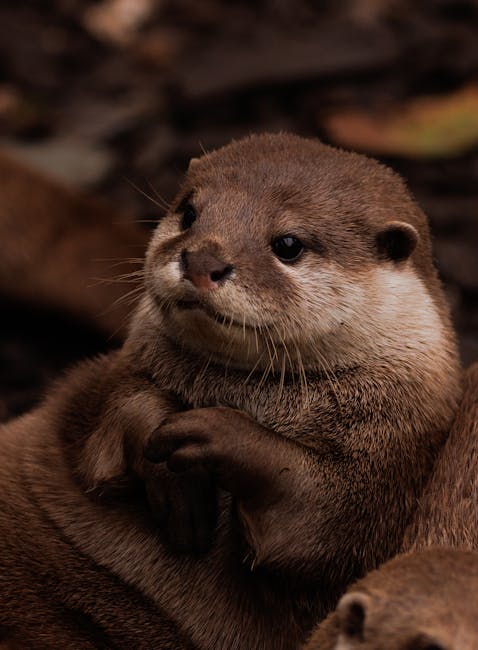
{"x":261,"y":438}
{"x":423,"y":601}
{"x":447,"y":512}
{"x":426,"y":589}
{"x":65,"y":251}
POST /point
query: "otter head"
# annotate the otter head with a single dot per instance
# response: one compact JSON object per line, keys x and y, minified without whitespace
{"x":366,"y":623}
{"x":280,"y":250}
{"x":422,"y":601}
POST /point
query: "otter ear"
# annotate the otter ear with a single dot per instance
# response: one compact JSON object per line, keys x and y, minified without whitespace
{"x":352,"y":611}
{"x":397,"y":241}
{"x":193,"y":163}
{"x":425,"y":642}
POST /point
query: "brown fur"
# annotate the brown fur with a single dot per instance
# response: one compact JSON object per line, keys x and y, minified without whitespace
{"x":434,"y":590}
{"x":317,"y":399}
{"x":64,"y":251}
{"x":424,"y":601}
{"x":447,"y":513}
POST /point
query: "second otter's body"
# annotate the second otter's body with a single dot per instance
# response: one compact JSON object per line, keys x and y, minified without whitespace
{"x":293,"y":346}
{"x":422,"y":601}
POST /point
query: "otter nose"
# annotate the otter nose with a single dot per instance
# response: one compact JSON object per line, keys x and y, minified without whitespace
{"x":203,"y":269}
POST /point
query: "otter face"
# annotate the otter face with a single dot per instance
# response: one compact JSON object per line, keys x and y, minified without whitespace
{"x":369,"y":625}
{"x":422,"y":601}
{"x":282,"y":252}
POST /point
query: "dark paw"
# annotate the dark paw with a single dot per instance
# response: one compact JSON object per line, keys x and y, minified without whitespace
{"x":185,"y":508}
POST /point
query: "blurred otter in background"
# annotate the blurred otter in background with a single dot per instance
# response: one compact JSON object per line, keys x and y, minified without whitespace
{"x":55,"y":243}
{"x":64,"y":266}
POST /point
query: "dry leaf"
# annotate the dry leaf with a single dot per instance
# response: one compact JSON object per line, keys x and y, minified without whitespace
{"x":118,"y":20}
{"x":433,"y":126}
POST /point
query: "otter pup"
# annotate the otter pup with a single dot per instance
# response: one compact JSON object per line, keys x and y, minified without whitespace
{"x":292,"y":349}
{"x":424,"y":601}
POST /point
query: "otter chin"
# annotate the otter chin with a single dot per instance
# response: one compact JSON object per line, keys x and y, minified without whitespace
{"x":209,"y":333}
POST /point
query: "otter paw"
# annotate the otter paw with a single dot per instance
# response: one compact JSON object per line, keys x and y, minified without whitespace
{"x":205,"y":437}
{"x":231,"y":445}
{"x":185,"y":509}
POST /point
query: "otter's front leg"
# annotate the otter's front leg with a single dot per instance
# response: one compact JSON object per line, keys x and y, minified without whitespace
{"x":106,"y":450}
{"x":270,"y":476}
{"x":184,"y":505}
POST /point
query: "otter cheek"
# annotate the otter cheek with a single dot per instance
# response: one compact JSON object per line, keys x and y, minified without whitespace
{"x":164,"y":280}
{"x":170,"y":274}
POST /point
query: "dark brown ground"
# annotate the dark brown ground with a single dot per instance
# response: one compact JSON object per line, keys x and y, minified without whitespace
{"x":196,"y":74}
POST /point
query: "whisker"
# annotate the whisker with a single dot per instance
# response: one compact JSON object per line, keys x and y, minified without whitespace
{"x":285,"y":353}
{"x":119,"y":328}
{"x":160,"y":198}
{"x":143,"y":193}
{"x":128,"y":298}
{"x":278,"y":358}
{"x":127,"y":278}
{"x":138,"y":221}
{"x":269,"y":366}
{"x":302,"y":375}
{"x":291,"y":363}
{"x":327,"y":368}
{"x":282,"y":377}
{"x":271,"y":360}
{"x":203,"y":370}
{"x":254,"y":367}
{"x":119,"y":261}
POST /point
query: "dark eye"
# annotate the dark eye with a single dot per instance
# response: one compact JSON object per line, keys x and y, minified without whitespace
{"x":288,"y":248}
{"x":189,"y":216}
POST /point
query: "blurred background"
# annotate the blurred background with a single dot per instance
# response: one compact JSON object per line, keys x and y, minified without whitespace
{"x":113,"y":97}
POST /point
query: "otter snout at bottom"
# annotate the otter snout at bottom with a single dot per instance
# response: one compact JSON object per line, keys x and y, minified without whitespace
{"x":422,"y":601}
